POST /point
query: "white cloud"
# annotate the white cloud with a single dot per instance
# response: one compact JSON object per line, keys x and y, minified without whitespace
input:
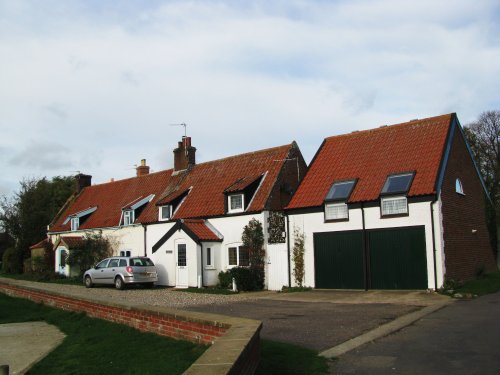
{"x":104,"y":81}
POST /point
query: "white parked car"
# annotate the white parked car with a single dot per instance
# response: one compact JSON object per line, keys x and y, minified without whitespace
{"x":122,"y":271}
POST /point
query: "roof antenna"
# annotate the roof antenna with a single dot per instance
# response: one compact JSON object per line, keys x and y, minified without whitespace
{"x":182,"y":124}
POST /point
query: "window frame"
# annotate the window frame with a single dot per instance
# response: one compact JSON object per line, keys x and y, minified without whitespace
{"x":238,"y":249}
{"x":209,"y":258}
{"x":341,"y":182}
{"x":75,"y":223}
{"x":399,"y":192}
{"x":160,"y":212}
{"x":235,"y":210}
{"x":336,"y":203}
{"x":398,"y":214}
{"x":130,"y":215}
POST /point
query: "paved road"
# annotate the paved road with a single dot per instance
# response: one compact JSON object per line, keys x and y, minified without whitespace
{"x":316,"y":325}
{"x":463,"y":338}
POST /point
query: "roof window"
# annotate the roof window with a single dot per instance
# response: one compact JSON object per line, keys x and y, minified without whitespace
{"x":340,"y":191}
{"x":78,"y":218}
{"x":398,"y":183}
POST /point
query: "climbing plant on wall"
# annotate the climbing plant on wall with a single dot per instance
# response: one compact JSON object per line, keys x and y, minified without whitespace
{"x":298,"y":256}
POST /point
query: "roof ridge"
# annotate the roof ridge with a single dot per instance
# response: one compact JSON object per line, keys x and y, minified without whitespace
{"x":390,"y":127}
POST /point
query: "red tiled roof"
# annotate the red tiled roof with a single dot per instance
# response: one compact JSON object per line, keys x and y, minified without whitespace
{"x":201,"y":230}
{"x":372,"y":155}
{"x":242,"y":183}
{"x":70,"y":241}
{"x":40,"y":244}
{"x":206,"y":197}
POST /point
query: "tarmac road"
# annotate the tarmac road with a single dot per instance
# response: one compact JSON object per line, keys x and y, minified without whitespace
{"x":462,"y":338}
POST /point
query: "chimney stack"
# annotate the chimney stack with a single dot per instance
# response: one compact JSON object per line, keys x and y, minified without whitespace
{"x":142,"y":169}
{"x":184,"y":155}
{"x":82,"y":181}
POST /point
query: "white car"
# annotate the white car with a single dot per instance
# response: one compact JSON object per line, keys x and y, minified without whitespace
{"x":121,"y":271}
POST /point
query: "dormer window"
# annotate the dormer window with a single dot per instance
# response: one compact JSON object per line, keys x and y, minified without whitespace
{"x":165,"y":212}
{"x":75,"y":223}
{"x":336,"y":200}
{"x":393,"y":201}
{"x":236,"y":203}
{"x":128,"y":217}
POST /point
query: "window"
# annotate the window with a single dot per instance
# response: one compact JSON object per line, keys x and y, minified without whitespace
{"x":113,"y":263}
{"x":75,"y":223}
{"x":458,"y":187}
{"x":397,"y":184}
{"x":340,"y":190}
{"x":336,"y":211}
{"x":102,"y":264}
{"x":124,"y":253}
{"x":128,"y":217}
{"x":236,"y":203}
{"x":394,"y":206}
{"x":165,"y":212}
{"x":239,"y":256}
{"x":209,"y":257}
{"x":123,"y":263}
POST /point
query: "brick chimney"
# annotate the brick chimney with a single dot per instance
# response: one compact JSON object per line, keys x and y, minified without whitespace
{"x":142,"y":169}
{"x":82,"y":181}
{"x":184,"y":155}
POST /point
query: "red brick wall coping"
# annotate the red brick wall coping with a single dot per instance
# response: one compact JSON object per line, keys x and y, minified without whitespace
{"x":235,"y":342}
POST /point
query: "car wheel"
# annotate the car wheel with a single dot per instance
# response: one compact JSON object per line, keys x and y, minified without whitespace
{"x":149,"y":285}
{"x":88,"y":282}
{"x":119,"y":284}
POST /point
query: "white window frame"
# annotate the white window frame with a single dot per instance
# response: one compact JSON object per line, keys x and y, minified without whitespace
{"x":393,"y":199}
{"x":128,"y":217}
{"x":237,"y":247}
{"x":75,"y":223}
{"x":209,"y":256}
{"x":343,"y":205}
{"x":160,"y":212}
{"x":233,"y":210}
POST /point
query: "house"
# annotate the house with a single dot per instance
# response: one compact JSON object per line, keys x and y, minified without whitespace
{"x":189,"y":219}
{"x":396,"y":207}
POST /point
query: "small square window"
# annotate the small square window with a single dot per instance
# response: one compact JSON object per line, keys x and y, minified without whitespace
{"x":128,"y":217}
{"x":165,"y":212}
{"x":236,"y":202}
{"x":238,"y":256}
{"x":75,"y":223}
{"x":336,"y":211}
{"x":394,"y":206}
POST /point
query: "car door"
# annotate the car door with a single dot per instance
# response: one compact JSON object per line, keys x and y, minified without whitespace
{"x":111,"y":270}
{"x":98,"y":274}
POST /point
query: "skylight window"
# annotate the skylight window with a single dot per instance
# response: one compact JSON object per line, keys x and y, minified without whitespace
{"x":398,"y":183}
{"x":340,"y":191}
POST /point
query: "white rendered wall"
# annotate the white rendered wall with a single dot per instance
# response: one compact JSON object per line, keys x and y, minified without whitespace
{"x":419,"y":214}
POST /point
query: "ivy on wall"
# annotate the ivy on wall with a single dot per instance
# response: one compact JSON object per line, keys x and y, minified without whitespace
{"x":276,"y":229}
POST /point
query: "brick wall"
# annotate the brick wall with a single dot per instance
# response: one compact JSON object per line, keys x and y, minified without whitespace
{"x":171,"y":325}
{"x":465,"y":252}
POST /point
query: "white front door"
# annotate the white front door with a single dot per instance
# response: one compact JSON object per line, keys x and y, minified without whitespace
{"x":182,"y":269}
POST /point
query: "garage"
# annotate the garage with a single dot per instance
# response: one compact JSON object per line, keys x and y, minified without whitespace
{"x":396,"y":259}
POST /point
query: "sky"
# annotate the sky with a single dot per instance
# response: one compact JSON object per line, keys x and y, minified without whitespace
{"x":94,"y":86}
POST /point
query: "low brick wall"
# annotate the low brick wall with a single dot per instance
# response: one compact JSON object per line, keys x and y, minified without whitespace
{"x":235,"y":342}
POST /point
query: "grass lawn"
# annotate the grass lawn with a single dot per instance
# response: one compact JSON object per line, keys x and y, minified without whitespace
{"x":94,"y":346}
{"x":486,"y":284}
{"x":53,"y":278}
{"x":279,"y":358}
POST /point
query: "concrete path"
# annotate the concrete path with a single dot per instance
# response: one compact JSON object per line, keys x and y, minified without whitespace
{"x":24,"y":344}
{"x":462,"y":338}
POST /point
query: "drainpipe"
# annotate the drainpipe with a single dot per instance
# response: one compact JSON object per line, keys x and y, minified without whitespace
{"x":434,"y":243}
{"x":145,"y":240}
{"x":201,"y":265}
{"x":288,"y":249}
{"x":365,"y":248}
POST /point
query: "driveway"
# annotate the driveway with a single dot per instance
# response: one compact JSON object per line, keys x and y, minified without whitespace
{"x":323,"y":319}
{"x":462,"y":338}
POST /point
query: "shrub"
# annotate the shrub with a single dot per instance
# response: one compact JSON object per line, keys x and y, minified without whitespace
{"x":253,"y":239}
{"x":94,"y":248}
{"x":298,"y":257}
{"x":247,"y":279}
{"x":27,"y":268}
{"x":11,"y":261}
{"x":225,"y":279}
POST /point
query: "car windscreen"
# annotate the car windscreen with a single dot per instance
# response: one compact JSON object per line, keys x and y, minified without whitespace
{"x":141,"y":262}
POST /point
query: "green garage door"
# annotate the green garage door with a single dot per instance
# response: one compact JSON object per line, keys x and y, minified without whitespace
{"x":398,"y":258}
{"x":338,"y":260}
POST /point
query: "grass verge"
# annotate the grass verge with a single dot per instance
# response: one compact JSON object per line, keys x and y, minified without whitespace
{"x":486,"y":284}
{"x":94,"y":346}
{"x":206,"y":290}
{"x":279,"y":358}
{"x":44,"y":278}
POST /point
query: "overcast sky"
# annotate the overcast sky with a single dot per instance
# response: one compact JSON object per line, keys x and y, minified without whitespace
{"x":93,"y":86}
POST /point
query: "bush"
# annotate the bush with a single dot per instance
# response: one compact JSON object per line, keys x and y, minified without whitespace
{"x":94,"y":248}
{"x":11,"y":261}
{"x":247,"y":279}
{"x":225,"y":279}
{"x":27,"y":266}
